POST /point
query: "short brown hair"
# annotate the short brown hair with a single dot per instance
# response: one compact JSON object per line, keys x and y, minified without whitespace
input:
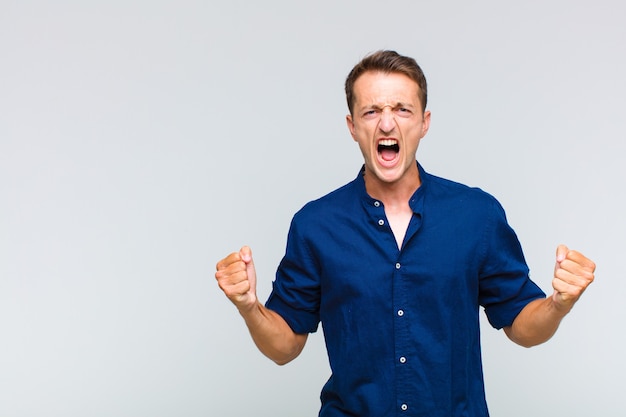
{"x":387,"y":62}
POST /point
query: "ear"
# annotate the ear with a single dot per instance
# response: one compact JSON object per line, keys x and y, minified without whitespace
{"x":426,"y":123}
{"x":351,"y":127}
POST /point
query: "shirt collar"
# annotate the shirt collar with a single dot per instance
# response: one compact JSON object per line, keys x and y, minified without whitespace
{"x":416,"y":202}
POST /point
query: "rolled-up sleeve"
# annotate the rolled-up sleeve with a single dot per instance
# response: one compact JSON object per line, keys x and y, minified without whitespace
{"x":505,"y":285}
{"x":296,"y":290}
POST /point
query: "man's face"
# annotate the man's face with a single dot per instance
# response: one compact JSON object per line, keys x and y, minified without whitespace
{"x":388,"y":124}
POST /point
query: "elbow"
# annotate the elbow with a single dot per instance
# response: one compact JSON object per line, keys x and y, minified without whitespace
{"x":289,"y":352}
{"x":525,"y":341}
{"x":532,"y":342}
{"x":526,"y":344}
{"x":282,"y":361}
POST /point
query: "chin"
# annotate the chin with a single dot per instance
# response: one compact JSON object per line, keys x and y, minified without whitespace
{"x":388,"y":177}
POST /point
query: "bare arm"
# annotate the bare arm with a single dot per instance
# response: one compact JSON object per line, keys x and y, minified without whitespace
{"x":539,"y":320}
{"x":236,"y":276}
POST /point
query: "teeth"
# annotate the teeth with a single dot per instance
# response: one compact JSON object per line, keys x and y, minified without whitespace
{"x":388,"y":142}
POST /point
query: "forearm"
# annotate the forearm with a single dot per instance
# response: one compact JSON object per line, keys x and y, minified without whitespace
{"x":272,"y":335}
{"x":536,"y":323}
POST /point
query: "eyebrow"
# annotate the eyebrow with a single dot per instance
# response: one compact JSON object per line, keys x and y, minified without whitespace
{"x":394,"y":106}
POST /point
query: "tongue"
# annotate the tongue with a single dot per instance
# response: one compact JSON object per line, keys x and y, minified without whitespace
{"x":388,"y":154}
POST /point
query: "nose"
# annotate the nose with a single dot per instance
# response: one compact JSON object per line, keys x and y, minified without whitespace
{"x":387,"y":120}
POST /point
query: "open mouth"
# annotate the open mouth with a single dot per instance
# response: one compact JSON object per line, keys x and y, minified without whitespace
{"x":388,"y":149}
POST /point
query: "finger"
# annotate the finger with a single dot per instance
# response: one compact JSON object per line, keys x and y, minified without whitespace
{"x":581,"y":260}
{"x":227,"y":261}
{"x":233,"y":274}
{"x":580,"y":279}
{"x":566,"y":295}
{"x":572,"y":268}
{"x":231,"y":271}
{"x":237,"y":289}
{"x":564,"y":287}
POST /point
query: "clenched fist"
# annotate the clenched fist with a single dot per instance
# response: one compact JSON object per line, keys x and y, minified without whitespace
{"x":573,"y":273}
{"x":236,"y":276}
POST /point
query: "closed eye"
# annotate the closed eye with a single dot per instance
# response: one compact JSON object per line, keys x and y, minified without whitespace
{"x":403,"y":112}
{"x":370,"y":114}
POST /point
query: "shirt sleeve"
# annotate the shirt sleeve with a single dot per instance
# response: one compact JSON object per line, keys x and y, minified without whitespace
{"x":505,"y":285}
{"x":296,"y":290}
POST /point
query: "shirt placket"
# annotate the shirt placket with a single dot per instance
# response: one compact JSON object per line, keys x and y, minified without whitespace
{"x":400,"y":321}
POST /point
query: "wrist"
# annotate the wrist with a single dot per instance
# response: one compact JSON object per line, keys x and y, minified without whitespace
{"x":250,"y":309}
{"x":560,"y":306}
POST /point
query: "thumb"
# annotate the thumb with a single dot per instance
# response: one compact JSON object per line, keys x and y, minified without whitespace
{"x":246,"y":257}
{"x":246,"y":254}
{"x":561,"y":253}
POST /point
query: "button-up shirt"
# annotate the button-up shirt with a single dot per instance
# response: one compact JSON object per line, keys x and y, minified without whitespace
{"x":402,"y":325}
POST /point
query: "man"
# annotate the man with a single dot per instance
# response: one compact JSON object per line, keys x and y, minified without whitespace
{"x":395,"y":265}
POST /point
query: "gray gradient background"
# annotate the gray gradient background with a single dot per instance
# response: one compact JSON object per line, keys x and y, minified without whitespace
{"x":142,"y":141}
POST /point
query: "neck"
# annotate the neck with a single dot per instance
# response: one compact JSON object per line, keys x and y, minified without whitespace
{"x":393,"y":194}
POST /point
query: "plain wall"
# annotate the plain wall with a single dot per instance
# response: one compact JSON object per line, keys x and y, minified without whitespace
{"x":142,"y":141}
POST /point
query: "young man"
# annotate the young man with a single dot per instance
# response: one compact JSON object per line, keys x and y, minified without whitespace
{"x":395,"y":265}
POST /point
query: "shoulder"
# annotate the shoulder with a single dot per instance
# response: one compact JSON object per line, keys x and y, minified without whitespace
{"x":448,"y":188}
{"x":340,"y":206}
{"x":338,"y":198}
{"x":446,"y":194}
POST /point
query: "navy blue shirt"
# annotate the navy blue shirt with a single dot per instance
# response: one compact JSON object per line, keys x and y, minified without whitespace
{"x":402,"y":326}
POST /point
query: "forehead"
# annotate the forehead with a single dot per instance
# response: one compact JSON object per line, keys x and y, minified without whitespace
{"x":385,"y":88}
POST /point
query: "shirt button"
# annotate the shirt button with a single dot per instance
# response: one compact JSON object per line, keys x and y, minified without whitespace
{"x":400,"y":313}
{"x":376,"y":203}
{"x":404,"y":407}
{"x":381,"y":222}
{"x":402,"y":359}
{"x":398,"y":265}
